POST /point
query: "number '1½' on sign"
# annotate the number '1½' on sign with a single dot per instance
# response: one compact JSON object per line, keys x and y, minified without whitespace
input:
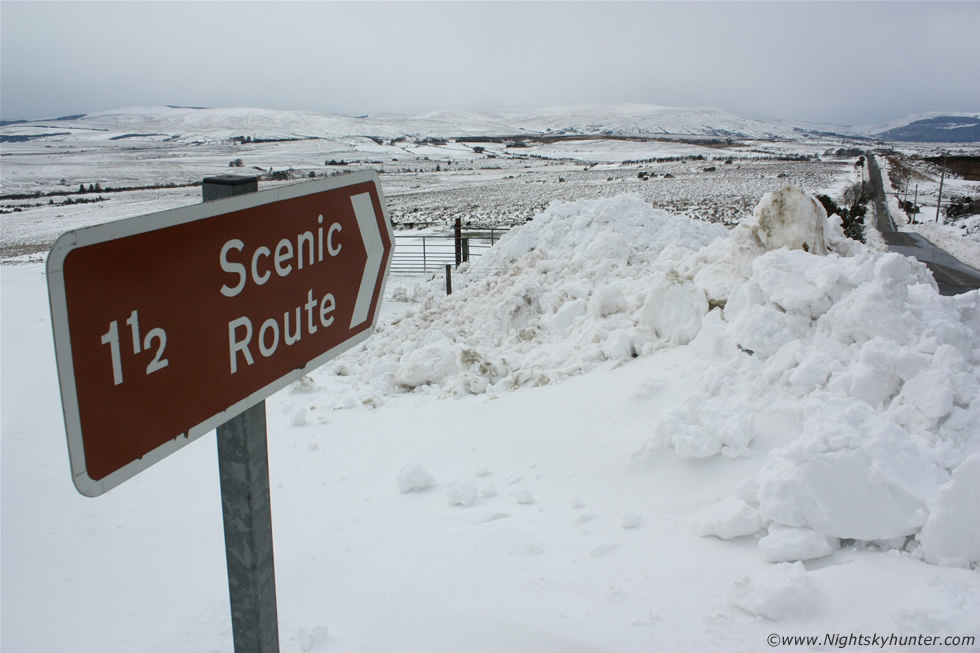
{"x":111,"y":338}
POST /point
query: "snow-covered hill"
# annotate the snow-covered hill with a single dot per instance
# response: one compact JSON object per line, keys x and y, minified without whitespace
{"x":962,"y":128}
{"x":629,"y":120}
{"x":223,"y":123}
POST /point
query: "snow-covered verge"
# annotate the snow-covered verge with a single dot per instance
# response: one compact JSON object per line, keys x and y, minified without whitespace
{"x":625,"y":431}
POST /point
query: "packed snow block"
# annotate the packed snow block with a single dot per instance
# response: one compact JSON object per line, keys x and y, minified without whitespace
{"x":951,"y":534}
{"x":674,"y":309}
{"x":781,"y":592}
{"x":728,"y":519}
{"x":567,"y":315}
{"x":412,"y":477}
{"x":764,"y":330}
{"x":725,"y":263}
{"x":607,"y":300}
{"x":790,"y":218}
{"x":703,"y":426}
{"x":799,"y":283}
{"x":851,"y":474}
{"x":461,"y":494}
{"x":813,"y":372}
{"x":430,"y":364}
{"x":791,"y":544}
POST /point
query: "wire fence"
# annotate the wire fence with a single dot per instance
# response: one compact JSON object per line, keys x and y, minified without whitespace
{"x":420,"y":261}
{"x":416,"y":254}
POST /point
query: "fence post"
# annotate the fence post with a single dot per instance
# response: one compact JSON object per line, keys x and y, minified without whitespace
{"x":466,"y":250}
{"x":458,"y":231}
{"x":449,"y":279}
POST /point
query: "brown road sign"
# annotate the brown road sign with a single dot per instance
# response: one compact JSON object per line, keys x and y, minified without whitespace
{"x":167,"y":325}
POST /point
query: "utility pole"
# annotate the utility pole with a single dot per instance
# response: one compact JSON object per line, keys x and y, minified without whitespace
{"x":915,"y":203}
{"x":942,"y":178}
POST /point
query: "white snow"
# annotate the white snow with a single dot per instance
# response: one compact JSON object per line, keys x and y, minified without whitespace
{"x":597,"y":442}
{"x":412,"y":477}
{"x":787,"y":543}
{"x":951,"y":534}
{"x":779,"y":593}
{"x":728,"y":519}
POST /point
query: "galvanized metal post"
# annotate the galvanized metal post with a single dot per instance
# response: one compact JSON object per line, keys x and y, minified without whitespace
{"x":243,"y":465}
{"x":222,"y":186}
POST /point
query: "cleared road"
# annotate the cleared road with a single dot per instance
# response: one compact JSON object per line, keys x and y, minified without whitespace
{"x":952,"y":276}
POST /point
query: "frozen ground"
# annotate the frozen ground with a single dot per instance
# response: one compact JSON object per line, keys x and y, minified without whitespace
{"x":625,"y":431}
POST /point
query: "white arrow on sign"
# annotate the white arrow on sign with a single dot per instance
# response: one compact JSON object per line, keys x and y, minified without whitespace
{"x":371,"y":235}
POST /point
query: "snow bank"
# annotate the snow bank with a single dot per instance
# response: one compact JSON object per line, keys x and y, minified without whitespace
{"x":842,"y":371}
{"x":577,"y":287}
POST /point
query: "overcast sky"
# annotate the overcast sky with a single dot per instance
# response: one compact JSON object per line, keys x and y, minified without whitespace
{"x":831,"y":62}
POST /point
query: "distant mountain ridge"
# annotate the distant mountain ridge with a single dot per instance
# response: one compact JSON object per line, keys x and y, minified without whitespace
{"x":937,"y":129}
{"x":625,"y":120}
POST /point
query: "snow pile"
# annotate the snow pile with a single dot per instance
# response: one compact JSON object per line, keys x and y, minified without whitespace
{"x":864,"y":383}
{"x":581,"y":287}
{"x":847,"y":376}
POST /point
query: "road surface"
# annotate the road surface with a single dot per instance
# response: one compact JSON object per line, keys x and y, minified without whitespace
{"x":952,"y":276}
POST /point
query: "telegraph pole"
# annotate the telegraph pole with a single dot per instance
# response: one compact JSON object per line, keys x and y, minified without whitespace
{"x":915,"y":203}
{"x":942,"y":178}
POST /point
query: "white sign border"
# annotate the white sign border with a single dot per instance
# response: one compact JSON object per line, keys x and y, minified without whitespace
{"x":109,"y":231}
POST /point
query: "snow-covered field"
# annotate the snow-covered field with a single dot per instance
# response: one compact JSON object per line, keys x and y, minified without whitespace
{"x":626,"y":430}
{"x":428,"y":182}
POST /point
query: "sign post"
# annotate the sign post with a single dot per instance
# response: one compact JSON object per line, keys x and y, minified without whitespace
{"x":246,"y":507}
{"x":169,"y":325}
{"x":246,"y":503}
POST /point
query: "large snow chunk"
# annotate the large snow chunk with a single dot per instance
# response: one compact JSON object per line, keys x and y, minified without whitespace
{"x":790,"y":218}
{"x":674,"y":309}
{"x":850,"y":474}
{"x":728,"y":519}
{"x":461,"y":494}
{"x":951,"y":535}
{"x":565,"y":317}
{"x":782,"y":592}
{"x":429,"y":364}
{"x":703,"y":426}
{"x":606,"y":300}
{"x":413,"y":477}
{"x":789,"y":544}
